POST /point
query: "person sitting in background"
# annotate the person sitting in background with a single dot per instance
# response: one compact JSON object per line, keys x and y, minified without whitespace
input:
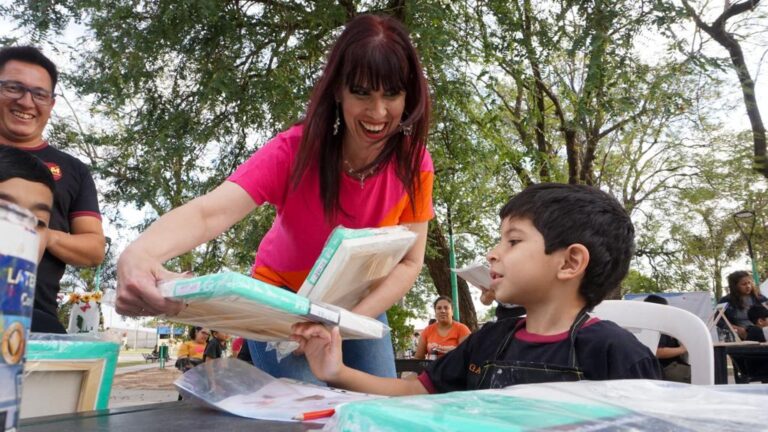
{"x":670,"y":352}
{"x":503,"y":310}
{"x":216,"y":346}
{"x":191,"y":352}
{"x":758,"y":314}
{"x":237,"y":345}
{"x":563,"y":249}
{"x":442,"y":336}
{"x":742,"y":295}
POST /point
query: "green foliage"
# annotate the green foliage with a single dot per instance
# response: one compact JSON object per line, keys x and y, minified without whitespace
{"x":401,"y":332}
{"x":523,"y":92}
{"x":490,"y":314}
{"x":636,"y":282}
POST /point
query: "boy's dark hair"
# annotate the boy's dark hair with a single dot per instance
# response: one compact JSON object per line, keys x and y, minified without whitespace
{"x":757,"y":312}
{"x":653,"y":298}
{"x":16,"y":163}
{"x":30,"y":54}
{"x":442,"y":297}
{"x":566,"y":214}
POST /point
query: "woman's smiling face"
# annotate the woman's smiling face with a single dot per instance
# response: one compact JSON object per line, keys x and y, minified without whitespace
{"x":370,"y":115}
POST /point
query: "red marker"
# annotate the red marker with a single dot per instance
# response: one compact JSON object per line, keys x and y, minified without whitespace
{"x":312,"y":415}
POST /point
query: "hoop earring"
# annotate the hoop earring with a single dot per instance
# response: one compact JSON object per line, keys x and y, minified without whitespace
{"x":337,"y":123}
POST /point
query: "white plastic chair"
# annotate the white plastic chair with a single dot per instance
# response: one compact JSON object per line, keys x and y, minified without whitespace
{"x":652,"y":319}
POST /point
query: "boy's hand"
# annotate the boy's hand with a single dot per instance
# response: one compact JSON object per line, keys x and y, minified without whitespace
{"x":322,"y":349}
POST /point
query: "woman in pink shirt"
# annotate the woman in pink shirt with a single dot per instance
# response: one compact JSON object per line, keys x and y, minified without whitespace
{"x":357,"y":159}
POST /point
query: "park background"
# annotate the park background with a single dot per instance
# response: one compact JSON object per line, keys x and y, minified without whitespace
{"x":163,"y":99}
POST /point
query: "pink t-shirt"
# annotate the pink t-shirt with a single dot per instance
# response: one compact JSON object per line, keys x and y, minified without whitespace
{"x":289,"y":249}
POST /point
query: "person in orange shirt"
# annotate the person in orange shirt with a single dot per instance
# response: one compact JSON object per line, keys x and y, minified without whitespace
{"x":445,"y":334}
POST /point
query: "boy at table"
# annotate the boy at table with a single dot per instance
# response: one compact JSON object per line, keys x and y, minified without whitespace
{"x":563,"y":249}
{"x":758,"y":314}
{"x":27,"y":182}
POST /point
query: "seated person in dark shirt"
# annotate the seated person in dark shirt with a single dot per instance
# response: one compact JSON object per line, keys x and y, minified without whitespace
{"x":563,"y":249}
{"x":216,"y":345}
{"x":758,"y":314}
{"x":670,"y":352}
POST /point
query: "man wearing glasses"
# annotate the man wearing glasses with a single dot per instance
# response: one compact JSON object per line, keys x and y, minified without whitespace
{"x":27,"y":82}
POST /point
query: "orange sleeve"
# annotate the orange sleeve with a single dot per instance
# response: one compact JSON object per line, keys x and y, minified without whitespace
{"x":427,"y":333}
{"x":463,"y":330}
{"x":422,"y":210}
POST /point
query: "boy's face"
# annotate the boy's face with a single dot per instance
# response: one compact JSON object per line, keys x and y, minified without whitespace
{"x":35,"y":197}
{"x":762,"y":322}
{"x":521,"y":272}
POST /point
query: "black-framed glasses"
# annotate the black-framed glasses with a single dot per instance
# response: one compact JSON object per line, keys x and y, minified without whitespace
{"x":16,"y":90}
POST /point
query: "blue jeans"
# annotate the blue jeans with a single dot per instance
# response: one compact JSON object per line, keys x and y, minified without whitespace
{"x":374,"y":356}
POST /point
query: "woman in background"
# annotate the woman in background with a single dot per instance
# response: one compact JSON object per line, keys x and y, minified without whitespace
{"x":444,"y":335}
{"x":742,"y":295}
{"x":190,"y":353}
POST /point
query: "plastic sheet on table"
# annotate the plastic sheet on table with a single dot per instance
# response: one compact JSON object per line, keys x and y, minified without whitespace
{"x":621,"y":405}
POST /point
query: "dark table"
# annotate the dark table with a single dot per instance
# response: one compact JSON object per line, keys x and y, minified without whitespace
{"x":724,"y":349}
{"x":165,"y":417}
{"x":410,"y":365}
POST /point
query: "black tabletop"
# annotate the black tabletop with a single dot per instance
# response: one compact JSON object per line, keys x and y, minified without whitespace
{"x":165,"y":417}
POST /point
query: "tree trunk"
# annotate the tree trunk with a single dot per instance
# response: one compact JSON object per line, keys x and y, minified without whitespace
{"x":438,"y":264}
{"x":717,"y":32}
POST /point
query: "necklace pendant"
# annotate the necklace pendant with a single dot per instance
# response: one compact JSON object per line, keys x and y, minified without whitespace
{"x":362,"y":182}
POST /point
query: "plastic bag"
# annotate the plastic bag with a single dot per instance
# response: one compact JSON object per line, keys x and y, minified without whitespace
{"x":236,"y":387}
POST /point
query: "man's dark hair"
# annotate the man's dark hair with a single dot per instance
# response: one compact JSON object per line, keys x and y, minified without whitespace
{"x":757,"y":312}
{"x":30,"y":54}
{"x":567,"y":214}
{"x":653,"y":298}
{"x":16,"y":163}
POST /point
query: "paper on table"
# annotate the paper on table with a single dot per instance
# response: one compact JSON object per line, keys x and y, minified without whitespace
{"x":282,"y":400}
{"x":239,"y":388}
{"x":477,"y":274}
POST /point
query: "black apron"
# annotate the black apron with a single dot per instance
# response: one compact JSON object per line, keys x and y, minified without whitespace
{"x":498,"y":373}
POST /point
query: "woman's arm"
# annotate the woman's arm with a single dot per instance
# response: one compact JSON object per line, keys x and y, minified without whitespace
{"x":400,"y":280}
{"x":179,"y":231}
{"x":670,"y":352}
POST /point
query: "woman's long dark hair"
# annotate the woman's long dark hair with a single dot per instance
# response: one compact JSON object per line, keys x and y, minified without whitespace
{"x":375,"y":52}
{"x":736,"y":299}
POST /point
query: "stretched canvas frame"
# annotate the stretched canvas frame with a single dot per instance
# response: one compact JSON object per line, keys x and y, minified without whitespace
{"x":92,"y":360}
{"x":92,"y":374}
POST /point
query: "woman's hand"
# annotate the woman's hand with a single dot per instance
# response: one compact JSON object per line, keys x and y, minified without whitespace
{"x":137,"y":277}
{"x":741,"y":331}
{"x":322,"y":349}
{"x":487,"y":297}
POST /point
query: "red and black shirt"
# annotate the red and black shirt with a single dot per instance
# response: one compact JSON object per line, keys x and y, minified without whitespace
{"x":75,"y":196}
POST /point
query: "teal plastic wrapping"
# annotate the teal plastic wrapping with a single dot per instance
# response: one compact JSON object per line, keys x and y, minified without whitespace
{"x":44,"y":346}
{"x":616,"y":406}
{"x":469,"y":411}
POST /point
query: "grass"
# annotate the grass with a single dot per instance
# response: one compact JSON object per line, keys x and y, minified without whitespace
{"x":131,"y":363}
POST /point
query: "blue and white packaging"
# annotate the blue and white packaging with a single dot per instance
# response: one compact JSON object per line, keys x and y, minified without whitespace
{"x":18,"y":270}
